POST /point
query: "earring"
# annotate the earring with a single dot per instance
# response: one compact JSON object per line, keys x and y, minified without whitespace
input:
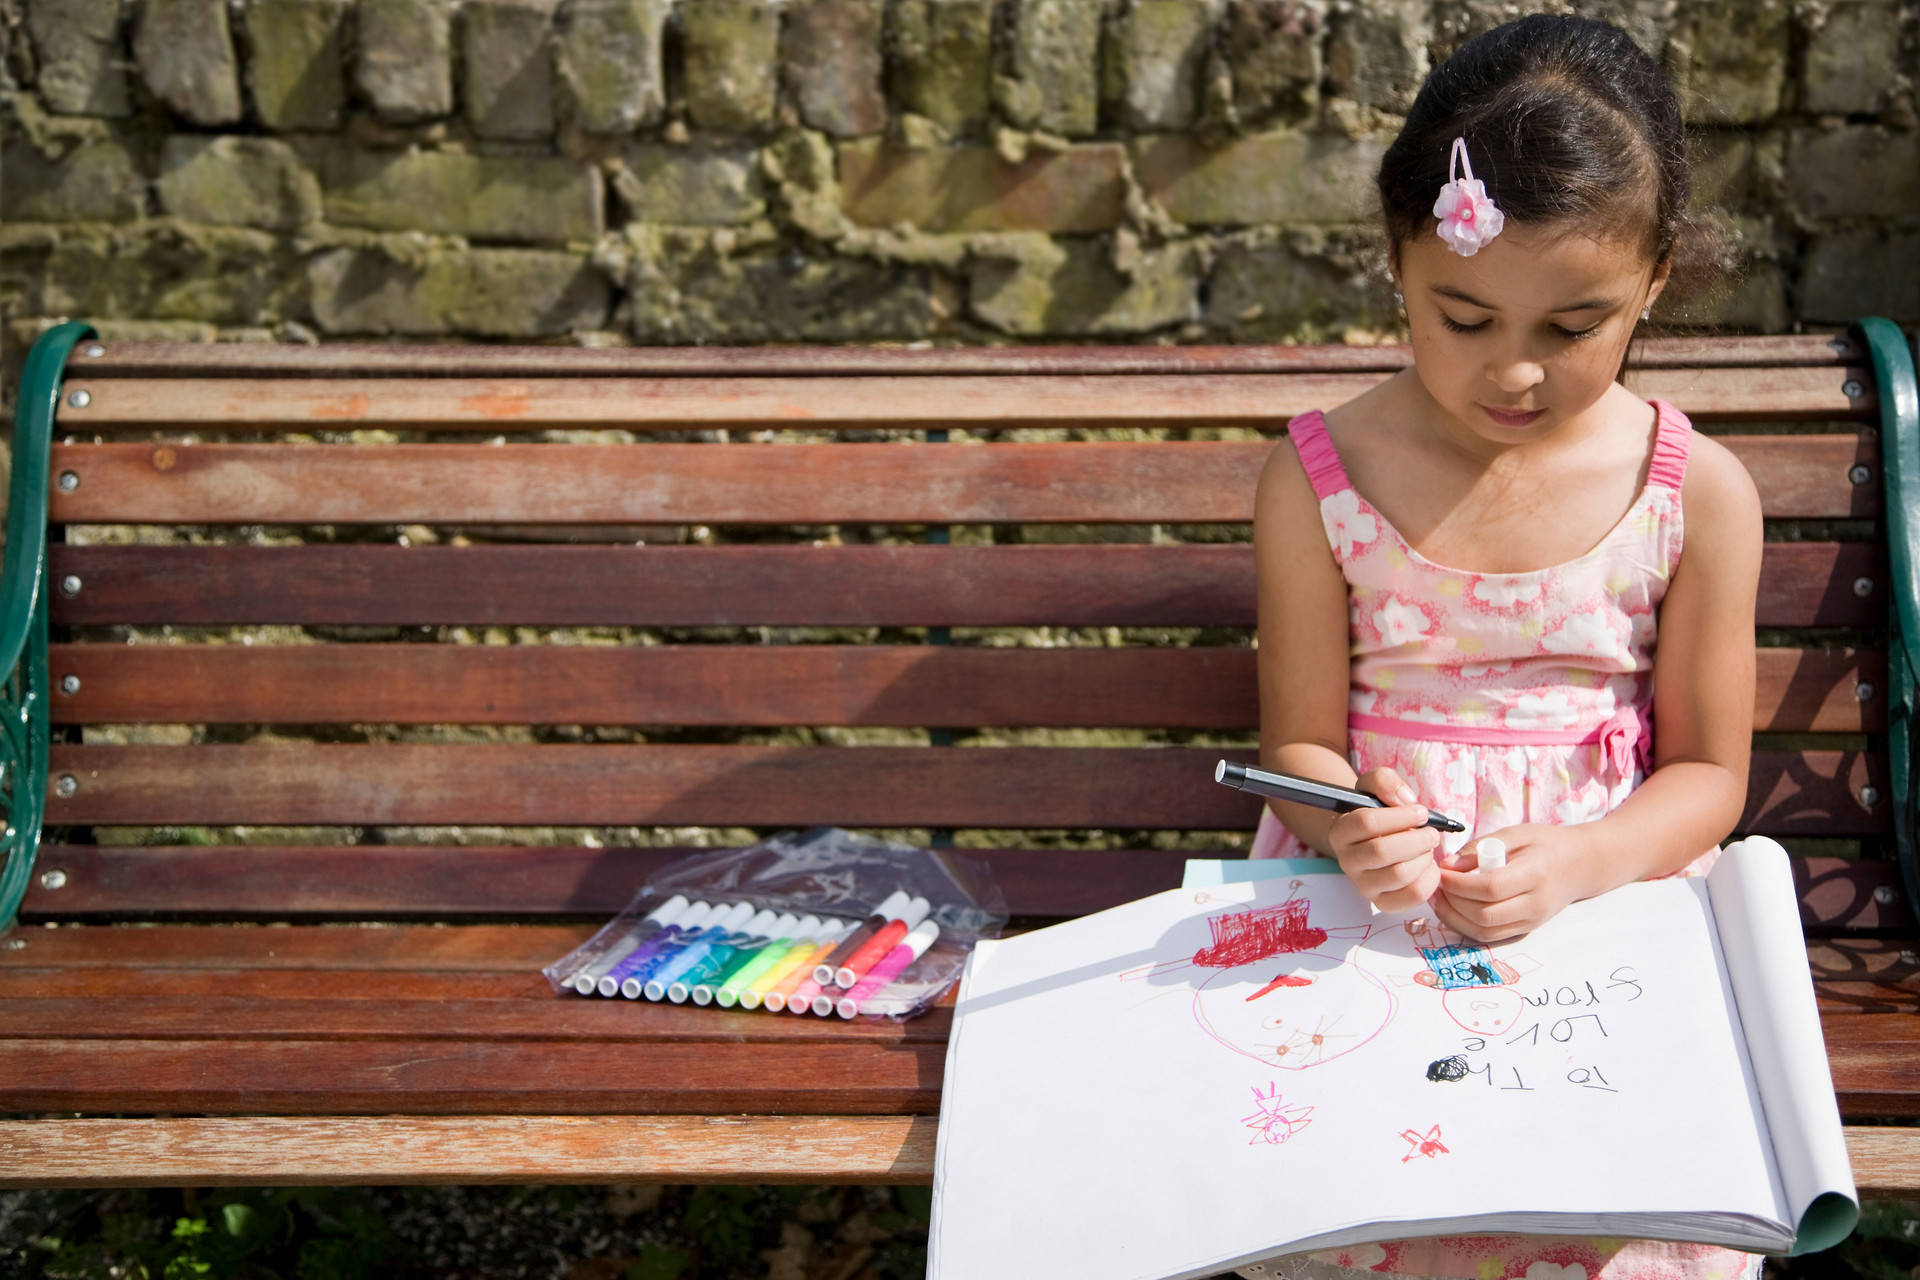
{"x":1646,"y":313}
{"x":1399,"y":298}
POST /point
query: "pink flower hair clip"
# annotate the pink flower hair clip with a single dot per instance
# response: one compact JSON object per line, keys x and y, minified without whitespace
{"x":1468,"y":218}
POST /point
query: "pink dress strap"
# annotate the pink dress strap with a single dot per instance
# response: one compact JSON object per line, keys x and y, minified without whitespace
{"x":1309,"y":435}
{"x":1671,"y":441}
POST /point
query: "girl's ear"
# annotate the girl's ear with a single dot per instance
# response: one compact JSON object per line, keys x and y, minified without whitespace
{"x":1661,"y":274}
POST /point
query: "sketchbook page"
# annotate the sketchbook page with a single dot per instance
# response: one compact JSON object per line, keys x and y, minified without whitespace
{"x":1202,"y":872}
{"x":1758,"y":910}
{"x":1198,"y":1079}
{"x":982,"y":954}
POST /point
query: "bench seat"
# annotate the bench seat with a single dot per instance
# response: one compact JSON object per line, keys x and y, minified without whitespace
{"x":378,"y":677}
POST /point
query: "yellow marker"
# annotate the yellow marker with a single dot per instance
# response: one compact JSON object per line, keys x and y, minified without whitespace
{"x":774,"y":986}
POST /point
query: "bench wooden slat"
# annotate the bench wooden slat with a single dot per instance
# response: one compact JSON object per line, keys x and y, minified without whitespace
{"x":1870,"y":1056}
{"x":439,"y":1077}
{"x":1798,"y":690}
{"x":1802,"y":584}
{"x":132,"y":980}
{"x":255,"y":359}
{"x":295,"y":882}
{"x":1136,"y":483}
{"x":391,"y":1150}
{"x":1790,"y":793}
{"x":493,"y":404}
{"x":379,"y":949}
{"x":542,"y":1017}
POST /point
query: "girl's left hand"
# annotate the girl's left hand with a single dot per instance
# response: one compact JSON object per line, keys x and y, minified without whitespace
{"x":1544,"y":873}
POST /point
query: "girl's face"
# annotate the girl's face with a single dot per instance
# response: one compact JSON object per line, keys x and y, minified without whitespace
{"x":1526,"y":335}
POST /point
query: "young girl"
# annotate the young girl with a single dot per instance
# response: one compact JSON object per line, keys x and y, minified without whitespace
{"x":1473,"y":589}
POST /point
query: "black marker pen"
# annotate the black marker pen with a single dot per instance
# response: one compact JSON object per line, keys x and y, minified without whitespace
{"x":1321,"y":795}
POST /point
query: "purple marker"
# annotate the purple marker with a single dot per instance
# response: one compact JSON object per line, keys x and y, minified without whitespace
{"x":661,"y":944}
{"x":585,"y":979}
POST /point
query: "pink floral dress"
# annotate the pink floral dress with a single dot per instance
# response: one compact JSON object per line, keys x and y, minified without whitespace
{"x":1504,"y":698}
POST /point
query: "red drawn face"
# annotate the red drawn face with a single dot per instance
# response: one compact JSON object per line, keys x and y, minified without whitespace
{"x":1485,"y":1011}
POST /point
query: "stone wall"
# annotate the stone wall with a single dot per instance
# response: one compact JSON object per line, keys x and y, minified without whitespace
{"x":746,"y":171}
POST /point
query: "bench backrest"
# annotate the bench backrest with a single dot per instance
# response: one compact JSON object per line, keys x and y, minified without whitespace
{"x":376,"y":632}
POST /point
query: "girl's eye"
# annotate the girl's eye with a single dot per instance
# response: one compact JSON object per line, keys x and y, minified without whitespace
{"x":1574,"y":335}
{"x":1457,"y":327}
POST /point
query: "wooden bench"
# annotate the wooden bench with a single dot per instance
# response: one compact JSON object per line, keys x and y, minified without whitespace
{"x":288,"y":660}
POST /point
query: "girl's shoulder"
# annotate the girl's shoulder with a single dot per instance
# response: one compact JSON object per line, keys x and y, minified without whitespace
{"x":1718,"y":487}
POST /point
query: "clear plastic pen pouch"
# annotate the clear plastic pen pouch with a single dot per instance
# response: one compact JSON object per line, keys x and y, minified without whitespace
{"x":826,"y":922}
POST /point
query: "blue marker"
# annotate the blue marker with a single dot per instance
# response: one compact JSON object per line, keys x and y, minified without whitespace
{"x":720,"y":953}
{"x":712,"y":925}
{"x":721,"y":931}
{"x":667,"y":940}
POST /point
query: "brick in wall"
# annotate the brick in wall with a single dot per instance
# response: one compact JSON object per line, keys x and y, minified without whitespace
{"x":1733,"y":64}
{"x":951,"y":189}
{"x":498,"y":293}
{"x":185,"y":52}
{"x":82,"y":65}
{"x":97,"y":182}
{"x":295,"y":69}
{"x":1855,"y":170}
{"x":233,"y":181}
{"x":1865,"y":272}
{"x":1377,"y":54}
{"x":1851,"y":60}
{"x":681,"y":292}
{"x":609,"y":61}
{"x":507,"y":68}
{"x":942,"y":65}
{"x":831,"y":58}
{"x":1274,"y":54}
{"x":403,"y":58}
{"x":703,"y":186}
{"x":1053,"y":58}
{"x":1278,"y":177}
{"x":1072,"y":288}
{"x":1155,"y":56}
{"x":507,"y":198}
{"x":731,"y":53}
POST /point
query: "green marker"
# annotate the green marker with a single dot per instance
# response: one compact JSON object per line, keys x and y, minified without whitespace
{"x":736,"y":985}
{"x":707,"y":978}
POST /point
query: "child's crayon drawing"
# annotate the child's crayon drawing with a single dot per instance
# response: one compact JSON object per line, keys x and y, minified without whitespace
{"x":1273,"y":1122}
{"x":1428,"y":1145}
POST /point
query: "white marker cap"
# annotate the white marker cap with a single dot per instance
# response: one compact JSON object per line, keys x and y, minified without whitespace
{"x":1491,"y":852}
{"x":891,"y":905}
{"x":914,"y":912}
{"x":734,"y":917}
{"x":669,"y":910}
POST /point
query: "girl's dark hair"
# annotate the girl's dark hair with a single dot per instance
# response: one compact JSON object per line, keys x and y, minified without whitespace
{"x":1566,"y":119}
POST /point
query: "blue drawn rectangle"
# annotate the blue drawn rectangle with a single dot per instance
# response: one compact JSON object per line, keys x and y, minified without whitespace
{"x":1462,"y":966}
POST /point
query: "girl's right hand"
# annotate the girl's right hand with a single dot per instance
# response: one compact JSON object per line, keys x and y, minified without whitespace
{"x":1387,"y":853}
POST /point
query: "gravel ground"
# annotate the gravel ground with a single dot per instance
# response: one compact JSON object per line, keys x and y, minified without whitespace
{"x":574,"y":1233}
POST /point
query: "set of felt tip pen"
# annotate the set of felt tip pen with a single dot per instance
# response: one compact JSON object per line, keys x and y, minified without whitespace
{"x":739,"y":955}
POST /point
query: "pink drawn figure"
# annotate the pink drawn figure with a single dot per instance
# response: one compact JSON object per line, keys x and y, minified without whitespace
{"x":1274,"y":1122}
{"x":1429,"y":1146}
{"x":1285,"y":992}
{"x":1475,"y":985}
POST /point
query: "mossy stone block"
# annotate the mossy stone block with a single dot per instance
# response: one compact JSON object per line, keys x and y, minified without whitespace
{"x":500,"y":293}
{"x":82,"y":66}
{"x":731,"y":52}
{"x":942,"y":66}
{"x":403,"y":58}
{"x":832,"y":62}
{"x":610,"y":63}
{"x":1053,"y":67}
{"x":1156,"y":57}
{"x":512,"y":198}
{"x":296,"y":67}
{"x":98,"y":182}
{"x":1734,"y":64}
{"x":506,"y":60}
{"x":1073,"y":288}
{"x":698,"y":186}
{"x":1079,"y":189}
{"x":236,"y":181}
{"x":1273,"y":52}
{"x":185,"y":52}
{"x":692,"y":293}
{"x":1852,"y":58}
{"x":1854,"y":171}
{"x":1278,"y":177}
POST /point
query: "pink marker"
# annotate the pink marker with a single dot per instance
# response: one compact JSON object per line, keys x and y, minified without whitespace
{"x":801,"y":1001}
{"x":910,"y":949}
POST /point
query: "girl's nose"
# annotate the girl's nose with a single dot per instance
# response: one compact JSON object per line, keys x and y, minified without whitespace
{"x":1516,"y":376}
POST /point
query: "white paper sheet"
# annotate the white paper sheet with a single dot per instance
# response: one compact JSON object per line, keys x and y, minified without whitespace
{"x":1127,"y":1095}
{"x":1751,"y":889}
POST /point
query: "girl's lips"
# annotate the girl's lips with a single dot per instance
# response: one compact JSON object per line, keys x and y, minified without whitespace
{"x":1512,"y":417}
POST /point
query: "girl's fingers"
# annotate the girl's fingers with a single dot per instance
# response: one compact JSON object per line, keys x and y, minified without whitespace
{"x":1391,"y":850}
{"x":1389,"y":786}
{"x":1370,"y":824}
